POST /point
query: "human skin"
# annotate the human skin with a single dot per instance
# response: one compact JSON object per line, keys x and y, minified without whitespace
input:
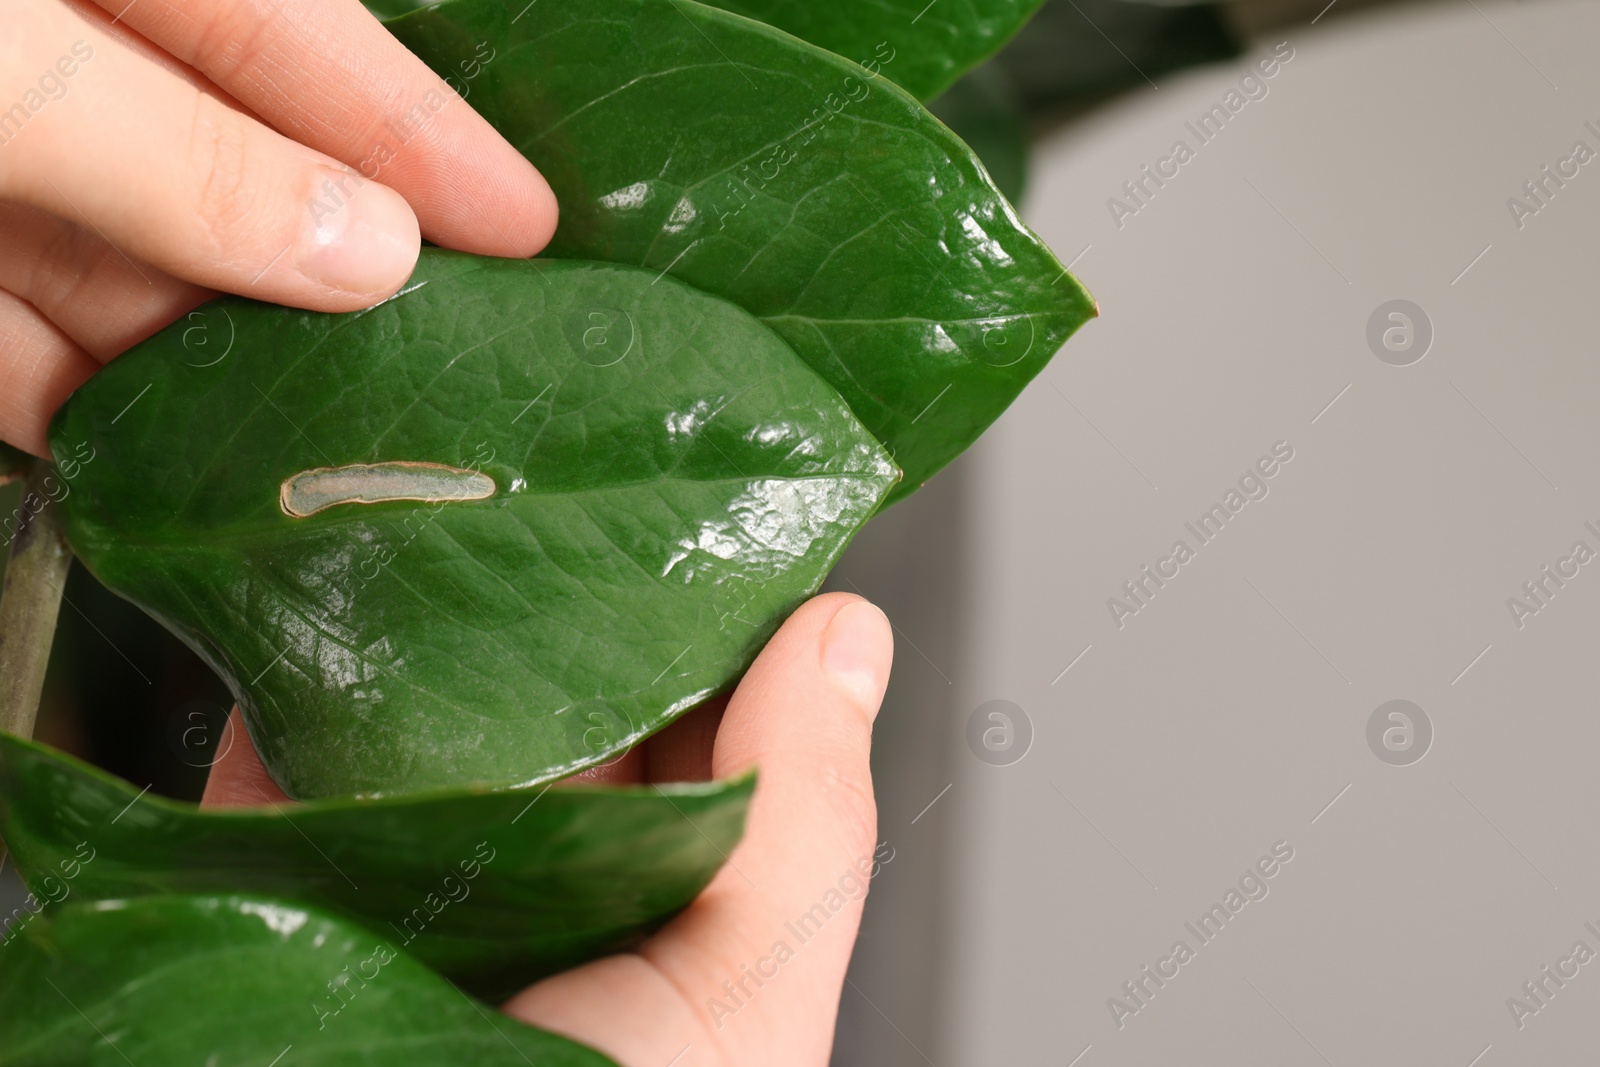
{"x":803,"y":717}
{"x":155,"y":153}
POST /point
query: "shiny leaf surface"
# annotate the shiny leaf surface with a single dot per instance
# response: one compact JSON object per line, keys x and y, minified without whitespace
{"x":802,"y":186}
{"x":938,"y":41}
{"x":240,"y":980}
{"x":665,"y":480}
{"x":494,"y":890}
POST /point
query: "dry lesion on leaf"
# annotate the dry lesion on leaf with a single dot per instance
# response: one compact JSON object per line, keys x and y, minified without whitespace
{"x":314,"y":490}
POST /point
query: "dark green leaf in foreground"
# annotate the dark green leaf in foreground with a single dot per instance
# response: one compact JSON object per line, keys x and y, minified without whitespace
{"x":935,"y":43}
{"x":578,"y":498}
{"x":493,"y":889}
{"x":240,"y":981}
{"x":816,"y":195}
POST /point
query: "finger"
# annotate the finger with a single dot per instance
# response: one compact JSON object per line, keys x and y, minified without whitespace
{"x":238,"y":779}
{"x":682,"y":752}
{"x":751,"y":972}
{"x":91,"y":291}
{"x":366,"y":101}
{"x":139,"y":44}
{"x":181,"y":181}
{"x":626,"y":769}
{"x":40,"y":367}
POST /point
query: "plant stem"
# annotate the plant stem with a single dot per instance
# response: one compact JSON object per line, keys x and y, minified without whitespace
{"x":35,"y":576}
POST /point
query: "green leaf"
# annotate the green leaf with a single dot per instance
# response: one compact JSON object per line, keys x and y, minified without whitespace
{"x":821,"y":198}
{"x":495,"y":890}
{"x":1079,"y":50}
{"x":390,"y":9}
{"x":240,"y":980}
{"x":935,"y":43}
{"x":982,"y":109}
{"x":665,"y":482}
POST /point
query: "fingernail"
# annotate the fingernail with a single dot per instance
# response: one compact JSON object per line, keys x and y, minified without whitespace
{"x":360,"y":237}
{"x":857,"y":649}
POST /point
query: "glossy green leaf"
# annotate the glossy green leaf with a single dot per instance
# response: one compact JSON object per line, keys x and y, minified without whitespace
{"x":800,"y":185}
{"x":983,"y":110}
{"x":665,"y":482}
{"x":938,"y":42}
{"x":935,"y":42}
{"x":239,"y":980}
{"x":494,"y":890}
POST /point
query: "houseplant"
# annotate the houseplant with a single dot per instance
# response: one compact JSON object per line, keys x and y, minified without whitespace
{"x":568,"y":498}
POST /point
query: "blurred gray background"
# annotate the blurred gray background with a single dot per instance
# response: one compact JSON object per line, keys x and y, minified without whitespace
{"x":1431,"y":876}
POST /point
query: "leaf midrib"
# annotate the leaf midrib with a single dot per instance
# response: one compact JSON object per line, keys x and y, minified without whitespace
{"x":229,"y":535}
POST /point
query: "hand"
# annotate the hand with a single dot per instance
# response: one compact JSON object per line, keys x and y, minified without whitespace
{"x":152,"y":151}
{"x":803,"y":715}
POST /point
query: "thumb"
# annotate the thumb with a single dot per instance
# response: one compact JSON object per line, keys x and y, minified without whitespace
{"x":752,"y":971}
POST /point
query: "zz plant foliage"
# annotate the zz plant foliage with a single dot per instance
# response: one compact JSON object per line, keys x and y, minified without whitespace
{"x":452,"y":549}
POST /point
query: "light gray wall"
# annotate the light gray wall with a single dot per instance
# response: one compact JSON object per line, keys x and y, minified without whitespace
{"x":1231,"y":713}
{"x":911,"y":561}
